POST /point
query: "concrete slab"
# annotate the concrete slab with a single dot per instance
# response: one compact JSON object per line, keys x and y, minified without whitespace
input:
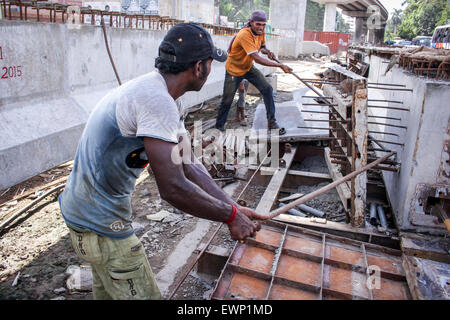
{"x":289,"y":115}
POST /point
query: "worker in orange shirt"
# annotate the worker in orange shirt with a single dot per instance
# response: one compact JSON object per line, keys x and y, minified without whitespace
{"x":243,"y":51}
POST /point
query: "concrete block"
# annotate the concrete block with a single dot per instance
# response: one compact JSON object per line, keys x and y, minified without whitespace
{"x":315,"y":47}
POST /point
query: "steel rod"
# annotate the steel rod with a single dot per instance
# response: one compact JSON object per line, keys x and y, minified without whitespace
{"x":31,"y":204}
{"x":305,"y":83}
{"x":320,"y":104}
{"x":341,"y":121}
{"x":109,"y":53}
{"x":393,"y":108}
{"x":390,"y":142}
{"x":388,"y":118}
{"x":323,"y":112}
{"x":388,"y":133}
{"x":387,"y":125}
{"x":371,"y":83}
{"x":381,"y":100}
{"x":391,"y":89}
{"x":315,"y":97}
{"x":328,"y":187}
{"x":380,"y":150}
{"x":315,"y":128}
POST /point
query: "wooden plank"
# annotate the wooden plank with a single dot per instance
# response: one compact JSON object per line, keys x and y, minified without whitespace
{"x":273,"y":189}
{"x":293,"y":179}
{"x":343,"y":189}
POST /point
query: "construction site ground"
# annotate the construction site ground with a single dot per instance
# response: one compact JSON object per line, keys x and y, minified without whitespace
{"x":35,"y":251}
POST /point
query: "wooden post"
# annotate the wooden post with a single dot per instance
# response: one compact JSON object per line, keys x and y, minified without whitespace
{"x":359,"y":152}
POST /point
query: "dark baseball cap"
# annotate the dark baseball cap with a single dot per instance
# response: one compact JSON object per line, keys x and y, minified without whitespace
{"x":190,"y":42}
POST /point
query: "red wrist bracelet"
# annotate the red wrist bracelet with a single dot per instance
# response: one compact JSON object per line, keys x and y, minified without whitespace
{"x":233,"y":215}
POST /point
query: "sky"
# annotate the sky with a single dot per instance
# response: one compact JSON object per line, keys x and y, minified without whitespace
{"x":390,"y":5}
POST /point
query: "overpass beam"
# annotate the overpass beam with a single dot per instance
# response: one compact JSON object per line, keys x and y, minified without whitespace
{"x":329,"y":21}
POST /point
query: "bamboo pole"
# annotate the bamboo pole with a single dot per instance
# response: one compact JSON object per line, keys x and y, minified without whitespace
{"x":328,"y":187}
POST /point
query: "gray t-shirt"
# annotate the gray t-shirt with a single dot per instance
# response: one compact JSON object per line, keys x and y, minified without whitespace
{"x":146,"y":109}
{"x":98,"y":191}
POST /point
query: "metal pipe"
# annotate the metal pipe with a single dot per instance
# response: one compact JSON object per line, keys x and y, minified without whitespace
{"x":328,"y":187}
{"x":293,"y":212}
{"x":312,"y":211}
{"x":382,"y":216}
{"x":373,"y":214}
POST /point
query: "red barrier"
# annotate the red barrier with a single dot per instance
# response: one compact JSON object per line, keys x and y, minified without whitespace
{"x":336,"y":41}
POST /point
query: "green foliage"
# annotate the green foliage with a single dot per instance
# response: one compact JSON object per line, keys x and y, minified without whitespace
{"x":421,"y":17}
{"x":241,"y":10}
{"x":314,"y":16}
{"x":341,"y":25}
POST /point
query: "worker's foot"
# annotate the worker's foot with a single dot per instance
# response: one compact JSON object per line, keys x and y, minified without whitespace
{"x":242,"y":116}
{"x":237,"y":117}
{"x":220,"y":128}
{"x":273,"y":125}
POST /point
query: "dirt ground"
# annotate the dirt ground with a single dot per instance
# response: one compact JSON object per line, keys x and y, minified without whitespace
{"x":35,"y":251}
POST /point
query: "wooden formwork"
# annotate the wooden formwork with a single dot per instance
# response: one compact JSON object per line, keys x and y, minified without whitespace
{"x":292,"y":263}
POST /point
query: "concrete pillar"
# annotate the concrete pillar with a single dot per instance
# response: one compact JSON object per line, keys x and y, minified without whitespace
{"x":329,"y":20}
{"x":379,"y":36}
{"x":360,"y":30}
{"x":288,"y":19}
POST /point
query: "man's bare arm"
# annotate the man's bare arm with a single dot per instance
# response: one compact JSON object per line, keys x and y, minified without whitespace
{"x":179,"y":191}
{"x":270,"y":63}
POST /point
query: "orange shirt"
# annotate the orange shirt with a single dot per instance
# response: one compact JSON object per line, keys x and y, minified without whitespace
{"x":239,"y":60}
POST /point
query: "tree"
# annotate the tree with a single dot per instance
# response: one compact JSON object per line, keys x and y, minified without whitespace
{"x":314,"y":16}
{"x":341,"y":25}
{"x":421,"y":17}
{"x":396,"y":19}
{"x":241,"y":10}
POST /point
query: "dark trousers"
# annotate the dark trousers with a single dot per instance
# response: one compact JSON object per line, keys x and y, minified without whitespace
{"x":255,"y":77}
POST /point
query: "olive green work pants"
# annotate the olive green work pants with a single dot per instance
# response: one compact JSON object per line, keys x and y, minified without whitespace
{"x":120,"y":268}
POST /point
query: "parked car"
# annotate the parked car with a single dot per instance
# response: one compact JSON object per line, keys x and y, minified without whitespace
{"x":422,"y":41}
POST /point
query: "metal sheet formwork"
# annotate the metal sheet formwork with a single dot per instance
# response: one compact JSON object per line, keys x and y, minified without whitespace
{"x":285,"y":262}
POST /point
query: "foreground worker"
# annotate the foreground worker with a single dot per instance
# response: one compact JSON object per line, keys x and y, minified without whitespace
{"x":243,"y":51}
{"x":139,"y":123}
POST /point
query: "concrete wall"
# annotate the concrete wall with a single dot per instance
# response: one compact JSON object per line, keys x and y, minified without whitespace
{"x":424,"y":157}
{"x":63,"y":74}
